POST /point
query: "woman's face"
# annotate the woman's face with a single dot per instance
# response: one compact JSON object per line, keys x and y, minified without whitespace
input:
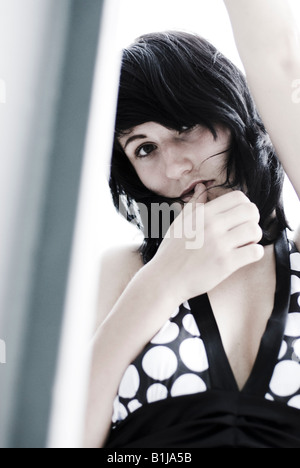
{"x":170,"y":163}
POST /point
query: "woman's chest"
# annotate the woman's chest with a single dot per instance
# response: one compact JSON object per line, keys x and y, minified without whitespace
{"x":242,"y":306}
{"x":201,"y":350}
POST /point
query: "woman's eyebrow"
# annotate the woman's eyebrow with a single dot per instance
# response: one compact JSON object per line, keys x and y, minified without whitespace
{"x":133,"y":138}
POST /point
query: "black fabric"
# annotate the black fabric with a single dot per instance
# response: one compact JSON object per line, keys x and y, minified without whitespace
{"x":220,"y":370}
{"x":216,"y":419}
{"x":223,"y":416}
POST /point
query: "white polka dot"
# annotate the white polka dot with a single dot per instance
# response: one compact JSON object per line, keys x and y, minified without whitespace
{"x":160,"y":363}
{"x":293,"y":324}
{"x":186,"y":305}
{"x":295,"y":402}
{"x":133,"y":405}
{"x":190,"y":325}
{"x":296,"y":346}
{"x":286,"y":378}
{"x":168,"y":333}
{"x":156,"y":392}
{"x":283,"y":349}
{"x":295,"y":261}
{"x":269,"y":397}
{"x":298,"y":300}
{"x":193,"y":354}
{"x":120,"y":411}
{"x":188,"y":384}
{"x":295,"y":284}
{"x":130,"y":383}
{"x":176,"y":312}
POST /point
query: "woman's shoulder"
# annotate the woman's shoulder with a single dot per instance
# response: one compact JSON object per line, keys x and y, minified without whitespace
{"x":117,"y":268}
{"x":125,"y":260}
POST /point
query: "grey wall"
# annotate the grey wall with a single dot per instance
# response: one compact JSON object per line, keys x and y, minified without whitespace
{"x":47,"y":57}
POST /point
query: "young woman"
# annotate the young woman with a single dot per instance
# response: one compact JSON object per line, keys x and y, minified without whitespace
{"x":200,"y":347}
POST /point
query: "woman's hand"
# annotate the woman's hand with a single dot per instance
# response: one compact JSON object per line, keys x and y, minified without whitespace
{"x":226,"y":235}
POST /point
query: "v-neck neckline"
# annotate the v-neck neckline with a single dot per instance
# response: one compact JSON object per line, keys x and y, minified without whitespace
{"x":221,"y":373}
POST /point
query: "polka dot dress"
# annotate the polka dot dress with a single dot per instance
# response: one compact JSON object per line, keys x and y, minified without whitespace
{"x":285,"y":382}
{"x":176,"y":362}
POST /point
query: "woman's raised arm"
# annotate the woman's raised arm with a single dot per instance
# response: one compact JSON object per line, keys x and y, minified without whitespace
{"x":268,"y":41}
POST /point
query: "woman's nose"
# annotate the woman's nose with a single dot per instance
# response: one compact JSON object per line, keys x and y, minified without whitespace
{"x":177,"y":163}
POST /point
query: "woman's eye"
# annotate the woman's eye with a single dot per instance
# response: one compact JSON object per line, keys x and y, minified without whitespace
{"x":145,"y":150}
{"x":185,"y":129}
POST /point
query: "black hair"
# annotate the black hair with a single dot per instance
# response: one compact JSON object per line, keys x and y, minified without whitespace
{"x":178,"y":79}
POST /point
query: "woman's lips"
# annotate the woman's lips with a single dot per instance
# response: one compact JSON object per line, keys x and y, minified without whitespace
{"x":186,"y":196}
